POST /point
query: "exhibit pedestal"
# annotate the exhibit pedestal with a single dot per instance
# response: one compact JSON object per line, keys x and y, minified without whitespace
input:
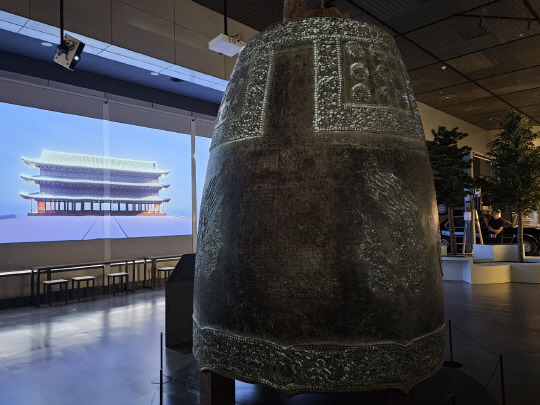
{"x":497,"y":253}
{"x":487,"y":271}
{"x":216,"y":389}
{"x":179,"y":303}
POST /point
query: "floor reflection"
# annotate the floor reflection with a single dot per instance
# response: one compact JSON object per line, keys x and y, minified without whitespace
{"x":107,"y":351}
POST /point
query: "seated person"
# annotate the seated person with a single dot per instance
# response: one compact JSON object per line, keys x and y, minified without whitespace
{"x":495,"y":227}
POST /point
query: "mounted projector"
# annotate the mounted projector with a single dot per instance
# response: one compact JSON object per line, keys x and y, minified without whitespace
{"x":68,"y":53}
{"x":225,"y":45}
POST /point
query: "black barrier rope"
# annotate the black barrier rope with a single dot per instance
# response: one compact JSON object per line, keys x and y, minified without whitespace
{"x":497,"y":365}
{"x":477,"y":342}
{"x":484,"y":387}
{"x":473,"y":400}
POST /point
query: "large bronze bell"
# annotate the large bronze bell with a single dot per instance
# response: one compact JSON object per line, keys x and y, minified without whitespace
{"x":318,"y":266}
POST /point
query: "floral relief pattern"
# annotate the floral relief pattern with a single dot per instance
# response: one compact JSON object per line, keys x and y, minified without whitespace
{"x":319,"y":368}
{"x":380,"y":99}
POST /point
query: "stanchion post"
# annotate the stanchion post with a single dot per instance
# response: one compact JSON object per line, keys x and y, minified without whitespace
{"x":450,"y":336}
{"x":502,"y":379}
{"x":451,"y":363}
{"x":161,"y":371}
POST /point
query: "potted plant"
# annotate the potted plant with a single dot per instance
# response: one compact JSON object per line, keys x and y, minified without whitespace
{"x":515,"y":179}
{"x":448,"y":164}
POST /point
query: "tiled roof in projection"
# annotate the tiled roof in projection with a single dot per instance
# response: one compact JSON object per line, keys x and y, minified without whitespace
{"x":100,"y":183}
{"x":89,"y":197}
{"x":79,"y":160}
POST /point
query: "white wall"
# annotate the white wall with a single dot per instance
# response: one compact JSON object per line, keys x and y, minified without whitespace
{"x":433,"y":119}
{"x":537,"y":130}
{"x":21,"y":256}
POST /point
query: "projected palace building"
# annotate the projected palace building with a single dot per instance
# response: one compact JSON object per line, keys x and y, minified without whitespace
{"x":79,"y":184}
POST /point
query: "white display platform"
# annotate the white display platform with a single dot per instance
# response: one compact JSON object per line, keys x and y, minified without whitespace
{"x":457,"y":268}
{"x":490,"y":273}
{"x":466,"y":269}
{"x":497,"y":253}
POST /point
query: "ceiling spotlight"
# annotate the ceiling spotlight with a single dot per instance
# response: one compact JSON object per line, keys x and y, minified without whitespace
{"x":154,"y":73}
{"x":68,"y":53}
{"x":46,"y":44}
{"x":443,"y":67}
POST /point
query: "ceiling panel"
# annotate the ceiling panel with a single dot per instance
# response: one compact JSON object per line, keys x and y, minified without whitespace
{"x":535,"y":6}
{"x":501,"y":59}
{"x":357,"y":11}
{"x":512,"y":82}
{"x":455,"y":37}
{"x":433,"y":77}
{"x":412,"y":55}
{"x":460,"y":94}
{"x":407,"y":15}
{"x":518,"y":8}
{"x":476,"y":107}
{"x":263,"y":13}
{"x":490,"y":120}
{"x":523,"y":98}
{"x":532,"y":110}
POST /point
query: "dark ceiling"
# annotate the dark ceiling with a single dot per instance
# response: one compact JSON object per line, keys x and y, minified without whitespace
{"x":473,"y":59}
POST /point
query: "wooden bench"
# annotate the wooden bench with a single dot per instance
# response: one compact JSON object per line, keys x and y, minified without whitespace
{"x":123,"y":282}
{"x":63,"y":285}
{"x":78,"y":280}
{"x":165,"y":270}
{"x":48,"y":270}
{"x":38,"y":272}
{"x":153,"y":268}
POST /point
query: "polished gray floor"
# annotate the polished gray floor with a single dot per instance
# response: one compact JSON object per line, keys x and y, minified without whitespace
{"x":108,"y":352}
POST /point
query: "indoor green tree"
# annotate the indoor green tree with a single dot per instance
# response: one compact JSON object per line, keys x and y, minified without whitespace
{"x":515,"y":179}
{"x":449,"y":165}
